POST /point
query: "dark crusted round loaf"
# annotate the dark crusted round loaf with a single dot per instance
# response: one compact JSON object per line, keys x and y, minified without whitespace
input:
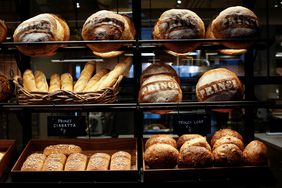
{"x":185,"y":137}
{"x":225,"y":132}
{"x":255,"y":153}
{"x":160,"y":156}
{"x":229,"y":140}
{"x":160,"y":139}
{"x":195,"y":156}
{"x":227,"y":155}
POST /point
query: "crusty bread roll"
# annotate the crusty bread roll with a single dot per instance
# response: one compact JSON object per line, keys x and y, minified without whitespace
{"x":41,"y":81}
{"x":179,"y":24}
{"x":99,"y":161}
{"x":195,"y":156}
{"x":92,"y":84}
{"x":219,"y":84}
{"x":255,"y":153}
{"x":120,"y":69}
{"x":227,"y":155}
{"x":185,"y":137}
{"x":29,"y":81}
{"x":200,"y":141}
{"x":85,"y":76}
{"x":236,"y":22}
{"x":160,"y":139}
{"x":76,"y":162}
{"x":66,"y":82}
{"x":55,"y":83}
{"x":3,"y":31}
{"x":161,"y":156}
{"x":54,"y":162}
{"x":107,"y":25}
{"x":41,"y":28}
{"x":120,"y":160}
{"x":65,"y":149}
{"x":159,"y":68}
{"x":34,"y":162}
{"x":229,"y":140}
{"x":225,"y":132}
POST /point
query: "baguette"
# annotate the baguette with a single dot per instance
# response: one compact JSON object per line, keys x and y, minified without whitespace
{"x":96,"y":86}
{"x":67,"y":82}
{"x":54,"y":162}
{"x":90,"y":87}
{"x":34,"y":162}
{"x":120,"y":160}
{"x":99,"y":161}
{"x":119,"y":69}
{"x":85,"y":76}
{"x":29,"y":81}
{"x":55,"y":83}
{"x":76,"y":162}
{"x":40,"y":81}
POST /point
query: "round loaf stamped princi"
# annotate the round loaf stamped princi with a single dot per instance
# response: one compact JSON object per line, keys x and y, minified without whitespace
{"x":160,"y":88}
{"x":219,"y":85}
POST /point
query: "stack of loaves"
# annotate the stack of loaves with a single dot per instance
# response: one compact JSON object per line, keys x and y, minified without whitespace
{"x":41,"y":28}
{"x":159,"y":83}
{"x":69,"y":157}
{"x":87,"y":82}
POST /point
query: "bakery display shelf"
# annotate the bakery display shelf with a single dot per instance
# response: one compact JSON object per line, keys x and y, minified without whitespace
{"x":70,"y":107}
{"x":8,"y":147}
{"x":88,"y":146}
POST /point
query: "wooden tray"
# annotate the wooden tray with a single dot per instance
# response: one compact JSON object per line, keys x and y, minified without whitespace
{"x":235,"y":175}
{"x":9,"y":147}
{"x":89,"y":146}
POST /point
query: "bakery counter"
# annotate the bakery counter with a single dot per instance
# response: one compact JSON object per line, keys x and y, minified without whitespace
{"x":272,"y":139}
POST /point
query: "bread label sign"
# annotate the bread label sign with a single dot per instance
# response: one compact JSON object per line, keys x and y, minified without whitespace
{"x":218,"y":86}
{"x":192,"y":124}
{"x":66,"y":126}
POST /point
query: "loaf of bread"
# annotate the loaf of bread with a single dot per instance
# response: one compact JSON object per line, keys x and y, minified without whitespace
{"x":107,"y":25}
{"x":108,"y":54}
{"x":41,"y":81}
{"x":120,"y":69}
{"x":3,"y":31}
{"x":185,"y":137}
{"x":76,"y":162}
{"x":34,"y":162}
{"x":195,"y":156}
{"x":54,"y":162}
{"x":41,"y":28}
{"x":93,"y":83}
{"x":225,"y":132}
{"x":120,"y":160}
{"x":65,"y":149}
{"x":229,"y":140}
{"x":179,"y":24}
{"x":200,"y":141}
{"x":219,"y":84}
{"x":55,"y":83}
{"x":236,"y":22}
{"x":85,"y":76}
{"x":5,"y":88}
{"x":227,"y":155}
{"x":67,"y":82}
{"x":99,"y":161}
{"x":159,"y":68}
{"x":29,"y":81}
{"x":161,"y":156}
{"x":160,"y":139}
{"x":255,"y":153}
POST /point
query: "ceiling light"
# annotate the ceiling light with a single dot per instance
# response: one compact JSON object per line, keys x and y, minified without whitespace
{"x":275,"y":6}
{"x":178,"y":1}
{"x":77,"y":5}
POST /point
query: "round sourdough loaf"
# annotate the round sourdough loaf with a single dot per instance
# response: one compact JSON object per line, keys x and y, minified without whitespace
{"x":227,"y":155}
{"x":160,"y":139}
{"x":225,"y":132}
{"x":219,"y":85}
{"x":186,"y":137}
{"x":179,"y":24}
{"x":255,"y":153}
{"x":229,"y":140}
{"x":236,"y":22}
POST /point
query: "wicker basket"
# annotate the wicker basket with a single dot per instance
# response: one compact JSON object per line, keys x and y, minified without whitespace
{"x":107,"y":95}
